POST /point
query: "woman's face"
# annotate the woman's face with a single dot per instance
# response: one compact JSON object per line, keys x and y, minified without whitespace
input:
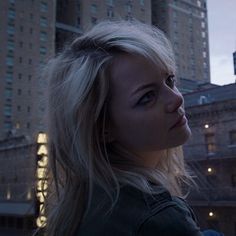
{"x":145,"y":110}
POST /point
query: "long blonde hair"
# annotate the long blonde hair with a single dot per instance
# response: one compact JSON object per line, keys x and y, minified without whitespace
{"x":78,"y":95}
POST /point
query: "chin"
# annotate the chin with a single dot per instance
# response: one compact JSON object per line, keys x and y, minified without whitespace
{"x":180,"y":138}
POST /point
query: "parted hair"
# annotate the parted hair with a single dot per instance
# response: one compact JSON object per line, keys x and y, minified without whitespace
{"x":78,"y":98}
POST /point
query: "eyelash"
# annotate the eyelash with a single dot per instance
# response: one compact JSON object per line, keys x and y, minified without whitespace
{"x":142,"y":101}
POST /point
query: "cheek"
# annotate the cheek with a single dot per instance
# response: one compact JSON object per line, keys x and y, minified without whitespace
{"x":140,"y":130}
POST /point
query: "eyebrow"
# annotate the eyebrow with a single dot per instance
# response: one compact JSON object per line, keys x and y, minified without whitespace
{"x":142,"y":87}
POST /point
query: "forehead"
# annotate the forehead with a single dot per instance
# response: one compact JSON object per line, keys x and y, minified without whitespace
{"x":130,"y":71}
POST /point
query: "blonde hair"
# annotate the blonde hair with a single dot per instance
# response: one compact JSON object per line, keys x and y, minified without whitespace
{"x":78,"y":95}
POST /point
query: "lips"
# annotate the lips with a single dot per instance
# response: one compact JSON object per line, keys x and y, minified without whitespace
{"x":180,"y":122}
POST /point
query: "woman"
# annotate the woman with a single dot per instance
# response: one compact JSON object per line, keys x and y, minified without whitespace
{"x":116,"y":126}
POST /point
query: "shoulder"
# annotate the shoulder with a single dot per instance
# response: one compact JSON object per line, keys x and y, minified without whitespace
{"x":176,"y":218}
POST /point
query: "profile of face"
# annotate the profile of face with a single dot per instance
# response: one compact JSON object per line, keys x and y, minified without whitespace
{"x":146,"y":109}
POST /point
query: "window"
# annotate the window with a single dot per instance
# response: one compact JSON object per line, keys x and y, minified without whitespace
{"x":43,"y":36}
{"x":31,"y":31}
{"x":203,"y":24}
{"x":110,"y":2}
{"x":11,"y":29}
{"x":7,"y":125}
{"x":43,"y":22}
{"x":10,"y":45}
{"x":11,"y":14}
{"x":199,"y":3}
{"x":232,"y":137}
{"x":110,"y":13}
{"x":7,"y":110}
{"x":8,"y":93}
{"x":203,"y":34}
{"x":21,"y":44}
{"x":141,"y":2}
{"x":31,"y":16}
{"x":9,"y":76}
{"x":29,"y":77}
{"x":202,"y":14}
{"x":43,"y":50}
{"x":210,"y":143}
{"x":19,"y":91}
{"x":30,"y":62}
{"x":21,"y":28}
{"x":94,"y":8}
{"x":18,"y":108}
{"x":28,"y":109}
{"x":28,"y":125}
{"x":10,"y":61}
{"x":19,"y":76}
{"x":20,"y":59}
{"x":204,"y":54}
{"x":43,"y":7}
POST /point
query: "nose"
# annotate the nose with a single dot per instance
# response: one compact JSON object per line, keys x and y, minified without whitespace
{"x":174,"y":102}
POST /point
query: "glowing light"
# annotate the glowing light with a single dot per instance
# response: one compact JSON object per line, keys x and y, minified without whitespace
{"x":8,"y":194}
{"x":211,"y":214}
{"x":43,"y":161}
{"x":206,"y":126}
{"x":41,"y":196}
{"x":42,"y":138}
{"x":42,"y":185}
{"x":41,"y":173}
{"x":29,"y":195}
{"x":209,"y":169}
{"x":42,"y":150}
{"x":41,"y":221}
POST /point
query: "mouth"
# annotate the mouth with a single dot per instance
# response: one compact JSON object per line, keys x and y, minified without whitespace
{"x":180,"y":122}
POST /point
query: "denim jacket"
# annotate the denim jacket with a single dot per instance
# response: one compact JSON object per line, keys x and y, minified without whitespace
{"x":138,"y":214}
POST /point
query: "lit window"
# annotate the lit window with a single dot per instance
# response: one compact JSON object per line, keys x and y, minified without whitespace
{"x":203,"y":24}
{"x":202,"y":14}
{"x":43,"y":6}
{"x":142,"y":2}
{"x":199,"y":3}
{"x":232,"y":137}
{"x":204,"y":54}
{"x":210,"y":143}
{"x":203,"y":34}
{"x":9,"y":61}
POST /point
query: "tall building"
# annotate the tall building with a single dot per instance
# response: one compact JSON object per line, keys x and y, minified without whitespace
{"x":74,"y":17}
{"x":185,"y":23}
{"x":27,"y":35}
{"x":211,"y":154}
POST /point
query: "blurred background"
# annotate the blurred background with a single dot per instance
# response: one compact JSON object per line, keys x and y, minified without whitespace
{"x":203,"y":35}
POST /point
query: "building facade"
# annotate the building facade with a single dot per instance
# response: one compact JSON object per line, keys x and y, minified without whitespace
{"x":27,"y":38}
{"x":185,"y":23}
{"x":211,"y":154}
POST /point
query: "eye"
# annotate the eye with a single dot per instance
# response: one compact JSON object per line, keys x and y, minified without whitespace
{"x":170,"y":81}
{"x":147,"y":98}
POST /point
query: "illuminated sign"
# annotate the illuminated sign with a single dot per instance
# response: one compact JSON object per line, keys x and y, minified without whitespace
{"x":42,"y":183}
